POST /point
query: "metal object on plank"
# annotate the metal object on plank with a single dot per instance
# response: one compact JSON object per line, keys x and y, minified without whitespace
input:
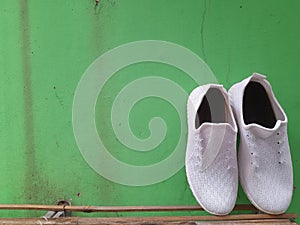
{"x":60,"y":213}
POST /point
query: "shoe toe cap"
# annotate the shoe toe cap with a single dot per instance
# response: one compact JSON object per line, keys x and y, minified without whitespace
{"x":272,"y":202}
{"x":270,"y":197}
{"x":221,"y":205}
{"x":215,"y":190}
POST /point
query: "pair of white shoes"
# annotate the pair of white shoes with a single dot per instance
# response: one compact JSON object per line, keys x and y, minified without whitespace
{"x":264,"y":162}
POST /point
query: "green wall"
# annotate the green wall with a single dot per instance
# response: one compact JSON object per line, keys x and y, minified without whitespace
{"x":45,"y":48}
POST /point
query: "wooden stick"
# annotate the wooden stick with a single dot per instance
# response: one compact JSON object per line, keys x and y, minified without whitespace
{"x":145,"y":208}
{"x":89,"y":209}
{"x":32,"y":207}
{"x":196,"y":218}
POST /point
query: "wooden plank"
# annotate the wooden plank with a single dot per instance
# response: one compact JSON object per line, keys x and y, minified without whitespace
{"x":113,"y":208}
{"x":172,"y":220}
{"x":102,"y":221}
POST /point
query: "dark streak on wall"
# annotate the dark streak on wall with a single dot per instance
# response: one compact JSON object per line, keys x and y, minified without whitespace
{"x":30,"y":173}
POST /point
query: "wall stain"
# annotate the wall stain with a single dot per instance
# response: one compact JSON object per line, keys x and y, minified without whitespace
{"x":60,"y":100}
{"x":37,"y":187}
{"x":101,"y":25}
{"x":30,"y":158}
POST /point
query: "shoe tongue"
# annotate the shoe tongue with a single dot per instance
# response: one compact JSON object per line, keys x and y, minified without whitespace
{"x":263,"y":132}
{"x":213,"y":136}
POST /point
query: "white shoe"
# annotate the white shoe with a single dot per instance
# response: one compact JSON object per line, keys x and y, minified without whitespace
{"x":264,"y":158}
{"x":211,"y":161}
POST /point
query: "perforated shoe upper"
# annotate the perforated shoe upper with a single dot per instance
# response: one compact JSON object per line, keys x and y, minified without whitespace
{"x":264,"y":159}
{"x":211,"y":164}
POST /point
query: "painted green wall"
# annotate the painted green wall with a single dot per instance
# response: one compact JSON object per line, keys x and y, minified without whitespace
{"x":46,"y":46}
